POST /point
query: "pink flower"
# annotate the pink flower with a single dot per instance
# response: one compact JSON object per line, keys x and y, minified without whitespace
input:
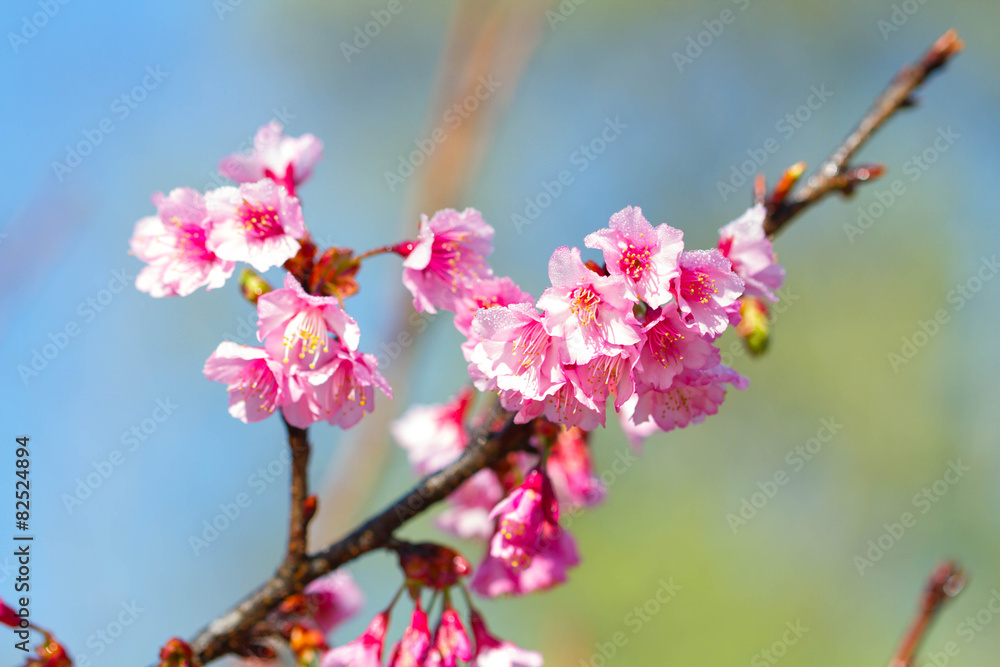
{"x":515,"y":351}
{"x":671,"y":346}
{"x":365,"y":651}
{"x":706,"y":286}
{"x":255,"y":381}
{"x":492,"y":652}
{"x":570,"y":467}
{"x":287,"y":161}
{"x":451,"y":641}
{"x":691,"y":397}
{"x":645,"y":257}
{"x":345,"y":387}
{"x":469,"y":507}
{"x":565,"y":403}
{"x":292,"y":321}
{"x":449,"y":256}
{"x":258,"y":223}
{"x":745,"y":244}
{"x":433,"y":435}
{"x":486,"y":293}
{"x":521,"y":515}
{"x":412,"y":650}
{"x":173,"y":244}
{"x":590,"y":312}
{"x":333,"y":599}
{"x":605,"y":375}
{"x":556,"y":554}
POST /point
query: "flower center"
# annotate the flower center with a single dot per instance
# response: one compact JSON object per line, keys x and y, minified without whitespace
{"x":307,"y":328}
{"x":664,"y":344}
{"x":529,"y":345}
{"x":634,"y":261}
{"x":603,"y":376}
{"x":189,"y":242}
{"x":259,"y":221}
{"x":696,"y":286}
{"x":448,"y":263}
{"x":257,"y":378}
{"x":583,"y":304}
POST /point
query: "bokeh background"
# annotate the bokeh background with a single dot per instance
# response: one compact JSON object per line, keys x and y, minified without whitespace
{"x":229,"y":66}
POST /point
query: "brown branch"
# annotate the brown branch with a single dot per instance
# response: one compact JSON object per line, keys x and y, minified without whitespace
{"x":835,"y":174}
{"x":300,"y":514}
{"x":944,"y":583}
{"x":230,"y":632}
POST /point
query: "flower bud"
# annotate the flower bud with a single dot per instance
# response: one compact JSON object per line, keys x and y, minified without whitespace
{"x":253,"y":286}
{"x":754,"y":328}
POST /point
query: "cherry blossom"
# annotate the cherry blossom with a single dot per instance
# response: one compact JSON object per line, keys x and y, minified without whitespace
{"x":174,"y":245}
{"x":257,"y":223}
{"x":288,"y":161}
{"x":492,"y":652}
{"x":291,"y":320}
{"x":412,"y":649}
{"x":646,"y":257}
{"x":365,"y":651}
{"x":590,"y":312}
{"x":449,"y":256}
{"x":705,"y":288}
{"x":451,"y":642}
{"x":745,"y":244}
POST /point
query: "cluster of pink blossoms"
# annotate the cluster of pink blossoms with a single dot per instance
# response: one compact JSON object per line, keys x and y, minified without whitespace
{"x":309,"y":365}
{"x":637,"y":331}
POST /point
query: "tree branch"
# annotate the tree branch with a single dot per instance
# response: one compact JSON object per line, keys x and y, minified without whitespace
{"x":945,"y":582}
{"x":230,"y":632}
{"x":298,"y":524}
{"x":835,"y":174}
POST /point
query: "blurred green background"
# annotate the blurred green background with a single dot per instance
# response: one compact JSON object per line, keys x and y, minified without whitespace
{"x":851,"y":301}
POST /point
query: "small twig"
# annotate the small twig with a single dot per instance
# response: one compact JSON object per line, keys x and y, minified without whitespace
{"x":835,"y":175}
{"x":299,"y":516}
{"x":945,"y":582}
{"x":230,"y":632}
